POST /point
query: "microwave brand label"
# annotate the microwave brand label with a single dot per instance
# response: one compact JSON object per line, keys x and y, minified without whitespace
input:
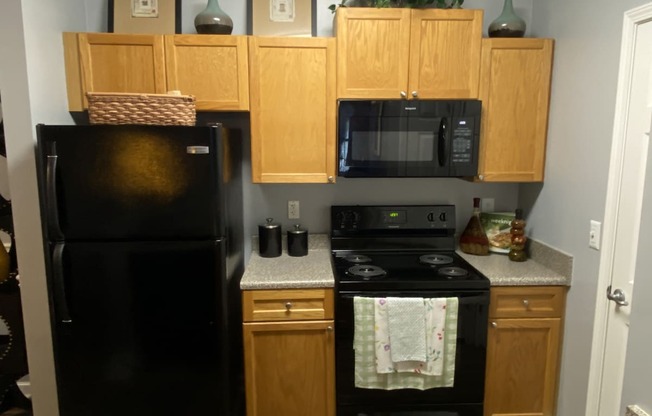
{"x":410,"y":108}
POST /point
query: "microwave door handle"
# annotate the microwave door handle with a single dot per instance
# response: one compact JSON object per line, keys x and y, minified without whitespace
{"x":441,"y":141}
{"x":379,"y":125}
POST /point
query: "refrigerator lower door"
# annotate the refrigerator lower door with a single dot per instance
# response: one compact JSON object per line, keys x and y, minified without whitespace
{"x":140,"y":328}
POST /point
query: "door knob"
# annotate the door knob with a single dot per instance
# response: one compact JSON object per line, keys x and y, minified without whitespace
{"x":617,"y":296}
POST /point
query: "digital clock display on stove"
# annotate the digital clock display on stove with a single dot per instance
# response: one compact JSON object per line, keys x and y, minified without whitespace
{"x":394,"y":217}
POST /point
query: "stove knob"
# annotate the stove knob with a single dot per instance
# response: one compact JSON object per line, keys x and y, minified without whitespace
{"x":442,"y":217}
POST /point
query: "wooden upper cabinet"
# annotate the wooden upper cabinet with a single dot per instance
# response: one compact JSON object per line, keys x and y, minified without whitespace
{"x":121,"y":63}
{"x":397,"y":53}
{"x":292,"y":83}
{"x":214,"y":69}
{"x":515,"y":94}
{"x":445,"y":53}
{"x":372,"y":52}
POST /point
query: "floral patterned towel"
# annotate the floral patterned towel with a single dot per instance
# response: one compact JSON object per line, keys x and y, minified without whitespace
{"x":365,"y":374}
{"x":434,"y":325}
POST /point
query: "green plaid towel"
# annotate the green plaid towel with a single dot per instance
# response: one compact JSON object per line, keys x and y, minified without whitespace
{"x":366,"y":376}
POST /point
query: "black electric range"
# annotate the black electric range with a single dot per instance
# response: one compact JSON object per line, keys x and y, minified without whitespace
{"x":406,"y":251}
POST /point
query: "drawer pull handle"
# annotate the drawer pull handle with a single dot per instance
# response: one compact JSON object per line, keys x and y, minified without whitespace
{"x":329,"y":328}
{"x":288,"y":306}
{"x":526,"y":303}
{"x":494,"y":324}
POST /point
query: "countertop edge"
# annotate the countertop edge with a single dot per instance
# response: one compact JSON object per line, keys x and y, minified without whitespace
{"x":546,"y":266}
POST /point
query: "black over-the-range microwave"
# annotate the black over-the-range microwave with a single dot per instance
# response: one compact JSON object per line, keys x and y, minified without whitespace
{"x":400,"y":138}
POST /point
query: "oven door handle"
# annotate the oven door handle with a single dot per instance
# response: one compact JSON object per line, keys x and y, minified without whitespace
{"x":476,"y":298}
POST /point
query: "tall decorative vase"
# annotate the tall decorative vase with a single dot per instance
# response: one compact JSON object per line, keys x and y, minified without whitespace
{"x":213,"y":20}
{"x":508,"y":24}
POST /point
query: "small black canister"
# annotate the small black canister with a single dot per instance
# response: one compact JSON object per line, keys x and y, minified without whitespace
{"x":297,"y":241}
{"x":269,"y":239}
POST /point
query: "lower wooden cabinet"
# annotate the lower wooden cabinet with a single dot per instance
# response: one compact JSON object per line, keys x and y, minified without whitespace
{"x":289,"y":355}
{"x":523,"y":350}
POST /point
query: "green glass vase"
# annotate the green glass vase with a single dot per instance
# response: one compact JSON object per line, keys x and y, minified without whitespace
{"x":508,"y":24}
{"x":213,"y":20}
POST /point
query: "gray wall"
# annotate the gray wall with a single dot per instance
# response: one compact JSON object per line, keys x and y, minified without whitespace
{"x":587,"y":51}
{"x":584,"y":84}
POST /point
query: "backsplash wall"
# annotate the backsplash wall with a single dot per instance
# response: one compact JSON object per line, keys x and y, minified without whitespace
{"x":263,"y":201}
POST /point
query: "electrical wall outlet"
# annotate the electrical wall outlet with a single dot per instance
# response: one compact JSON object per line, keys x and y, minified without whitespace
{"x":487,"y":204}
{"x":594,"y":234}
{"x":293,"y":210}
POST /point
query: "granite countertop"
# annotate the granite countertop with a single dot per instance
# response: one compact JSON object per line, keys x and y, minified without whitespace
{"x":546,"y":266}
{"x":287,"y":272}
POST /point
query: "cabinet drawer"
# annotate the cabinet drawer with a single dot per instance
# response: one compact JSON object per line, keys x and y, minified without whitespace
{"x":527,"y":302}
{"x":287,"y":305}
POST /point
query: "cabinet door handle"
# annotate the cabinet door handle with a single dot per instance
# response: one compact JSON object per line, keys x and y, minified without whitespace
{"x":403,"y":94}
{"x":331,"y":179}
{"x":329,"y":328}
{"x":288,"y":306}
{"x":415,"y":94}
{"x":494,"y":324}
{"x":526,"y":303}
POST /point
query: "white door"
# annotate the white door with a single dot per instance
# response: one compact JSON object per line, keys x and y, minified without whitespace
{"x":637,"y":381}
{"x":627,"y":217}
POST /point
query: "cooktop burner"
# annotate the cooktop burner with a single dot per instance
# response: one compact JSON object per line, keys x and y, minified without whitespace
{"x":436,"y":259}
{"x":453,"y":272}
{"x":357,"y":258}
{"x":366,"y":271}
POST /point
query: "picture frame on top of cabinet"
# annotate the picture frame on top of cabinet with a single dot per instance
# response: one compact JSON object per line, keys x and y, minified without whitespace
{"x":144,"y":16}
{"x":297,"y":18}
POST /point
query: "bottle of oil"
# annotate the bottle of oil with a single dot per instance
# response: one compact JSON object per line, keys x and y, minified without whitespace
{"x":473,"y":239}
{"x":517,"y":248}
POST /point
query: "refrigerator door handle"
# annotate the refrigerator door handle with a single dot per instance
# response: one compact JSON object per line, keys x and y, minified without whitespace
{"x":60,"y":298}
{"x":52,"y":205}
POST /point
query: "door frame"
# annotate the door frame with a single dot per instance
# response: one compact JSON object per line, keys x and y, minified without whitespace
{"x":602,"y":370}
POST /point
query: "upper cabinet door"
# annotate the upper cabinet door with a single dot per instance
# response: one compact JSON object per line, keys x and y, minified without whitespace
{"x":372,"y":52}
{"x":406,"y":53}
{"x":445,"y":49}
{"x":122,"y":63}
{"x":292,"y":109}
{"x":214,"y":69}
{"x":515,"y":93}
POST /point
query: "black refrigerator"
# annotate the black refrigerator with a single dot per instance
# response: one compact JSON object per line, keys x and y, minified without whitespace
{"x":143,"y":236}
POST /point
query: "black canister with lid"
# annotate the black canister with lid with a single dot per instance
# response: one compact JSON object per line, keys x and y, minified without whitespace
{"x":269,"y":239}
{"x":297,"y":241}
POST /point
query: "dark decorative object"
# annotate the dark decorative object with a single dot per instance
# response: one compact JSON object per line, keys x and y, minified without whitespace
{"x":213,"y":20}
{"x":508,"y":24}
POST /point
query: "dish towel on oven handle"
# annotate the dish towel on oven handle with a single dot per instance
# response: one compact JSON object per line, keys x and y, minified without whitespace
{"x":434,"y":328}
{"x":365,"y":374}
{"x":406,"y":324}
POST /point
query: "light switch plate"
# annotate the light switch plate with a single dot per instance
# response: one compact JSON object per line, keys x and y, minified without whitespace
{"x":594,"y":234}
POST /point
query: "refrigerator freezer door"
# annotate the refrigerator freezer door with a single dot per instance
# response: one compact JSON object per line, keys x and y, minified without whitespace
{"x":145,"y":329}
{"x":132,"y":182}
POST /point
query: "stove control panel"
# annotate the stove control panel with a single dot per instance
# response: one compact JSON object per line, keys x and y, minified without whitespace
{"x":386,"y":217}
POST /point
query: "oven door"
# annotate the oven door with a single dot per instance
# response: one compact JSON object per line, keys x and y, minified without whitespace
{"x":465,"y":398}
{"x":393,"y":138}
